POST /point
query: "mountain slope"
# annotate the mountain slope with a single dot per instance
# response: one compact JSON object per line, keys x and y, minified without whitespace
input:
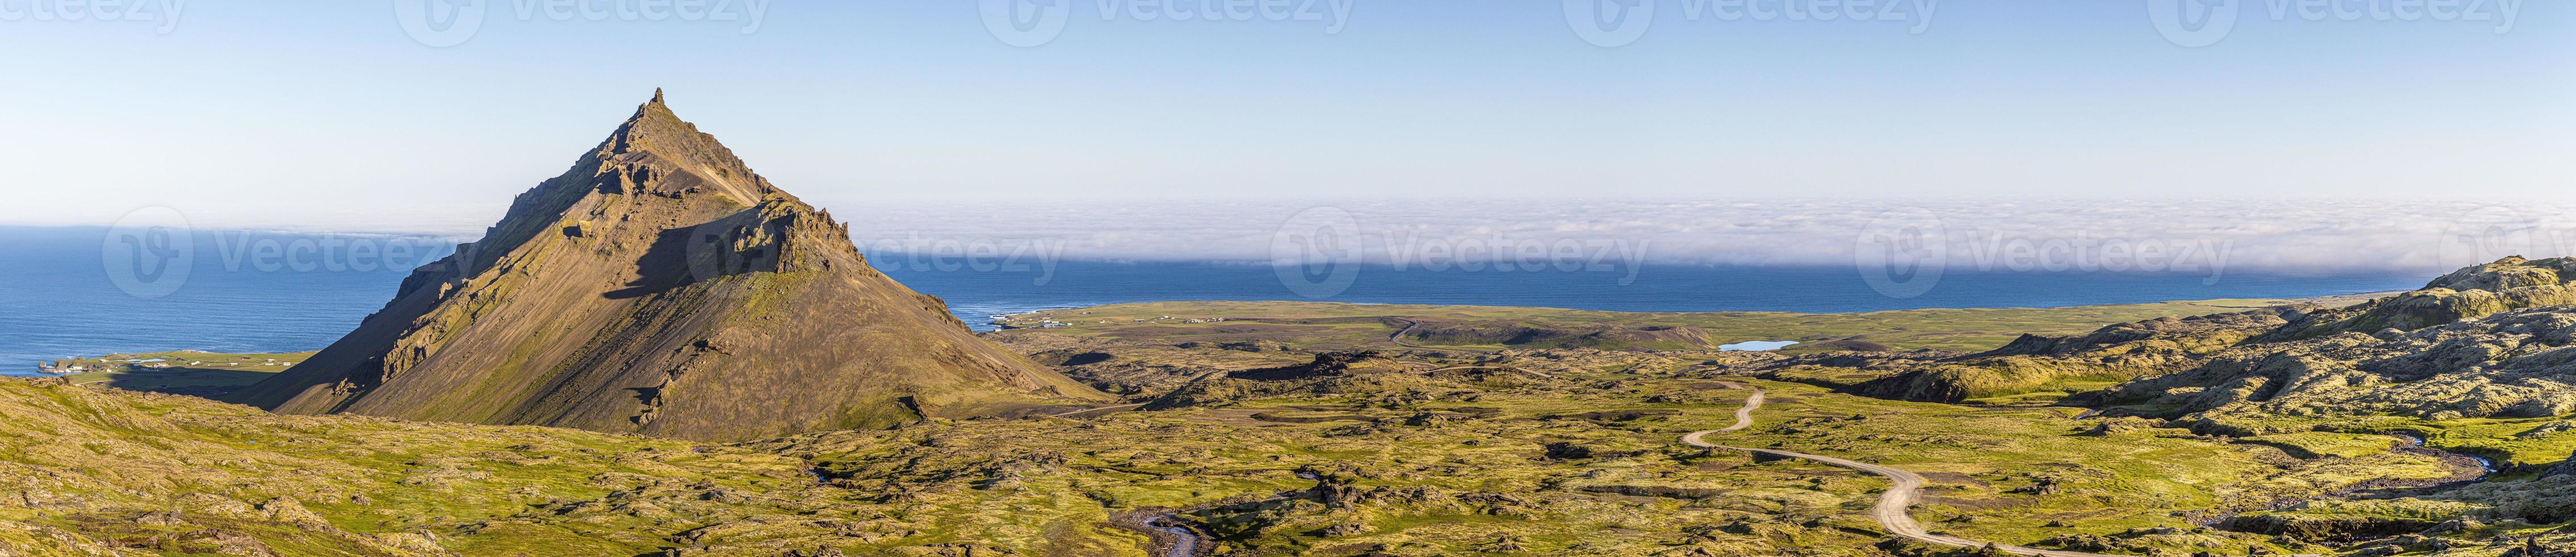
{"x":2490,"y":342}
{"x":2118,"y":352}
{"x":661,"y":287}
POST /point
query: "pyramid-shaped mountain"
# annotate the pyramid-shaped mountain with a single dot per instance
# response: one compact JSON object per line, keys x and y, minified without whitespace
{"x":662,"y":288}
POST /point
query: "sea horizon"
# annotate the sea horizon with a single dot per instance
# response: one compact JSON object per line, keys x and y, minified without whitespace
{"x":65,"y":303}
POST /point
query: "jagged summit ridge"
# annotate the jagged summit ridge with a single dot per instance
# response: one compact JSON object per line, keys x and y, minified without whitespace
{"x":660,"y":286}
{"x":657,"y":150}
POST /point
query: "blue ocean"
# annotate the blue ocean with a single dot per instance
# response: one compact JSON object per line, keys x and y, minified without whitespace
{"x":73,"y":292}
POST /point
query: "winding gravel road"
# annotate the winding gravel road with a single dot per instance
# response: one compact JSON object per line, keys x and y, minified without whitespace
{"x":1743,"y":416}
{"x":1891,"y":511}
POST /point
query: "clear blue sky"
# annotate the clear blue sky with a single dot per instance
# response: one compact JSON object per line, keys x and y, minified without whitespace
{"x":289,"y":108}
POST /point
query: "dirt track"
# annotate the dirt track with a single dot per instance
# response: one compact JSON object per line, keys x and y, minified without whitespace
{"x":1893,"y":505}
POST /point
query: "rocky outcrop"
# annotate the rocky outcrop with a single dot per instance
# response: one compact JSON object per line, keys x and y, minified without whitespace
{"x":2116,"y":352}
{"x":661,"y":287}
{"x":2514,"y":364}
{"x":2505,"y":285}
{"x":2188,"y":335}
{"x":2487,"y":341}
{"x":2480,"y":341}
{"x":1330,"y":364}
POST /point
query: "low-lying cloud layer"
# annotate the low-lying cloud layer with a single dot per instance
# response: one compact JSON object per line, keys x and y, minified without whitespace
{"x":2047,"y":234}
{"x":2018,"y":235}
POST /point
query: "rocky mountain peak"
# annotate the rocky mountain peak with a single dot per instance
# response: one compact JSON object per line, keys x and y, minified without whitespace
{"x":661,"y":287}
{"x":655,"y":151}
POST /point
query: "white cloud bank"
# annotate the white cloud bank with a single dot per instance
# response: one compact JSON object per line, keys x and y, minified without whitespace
{"x":2285,"y":234}
{"x":2115,"y":234}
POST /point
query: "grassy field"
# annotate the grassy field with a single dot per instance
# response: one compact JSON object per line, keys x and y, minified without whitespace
{"x":176,"y":475}
{"x":1332,"y":326}
{"x":2517,"y":445}
{"x":1569,"y":454}
{"x":1597,"y":445}
{"x":185,"y":372}
{"x":1554,"y":452}
{"x":2323,"y":444}
{"x":2027,"y":475}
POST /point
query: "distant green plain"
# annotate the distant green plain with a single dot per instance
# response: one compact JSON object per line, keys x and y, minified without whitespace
{"x":1338,"y":326}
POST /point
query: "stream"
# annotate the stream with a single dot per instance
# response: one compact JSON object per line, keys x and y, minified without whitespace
{"x":1190,"y":540}
{"x":2406,"y":443}
{"x":2416,"y":444}
{"x":1188,"y":546}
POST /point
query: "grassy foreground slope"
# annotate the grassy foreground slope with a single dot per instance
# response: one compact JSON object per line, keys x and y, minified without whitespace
{"x":1543,"y":453}
{"x":1335,"y":326}
{"x":100,"y":471}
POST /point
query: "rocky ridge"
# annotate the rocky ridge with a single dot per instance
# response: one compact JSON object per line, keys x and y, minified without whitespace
{"x":662,"y":287}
